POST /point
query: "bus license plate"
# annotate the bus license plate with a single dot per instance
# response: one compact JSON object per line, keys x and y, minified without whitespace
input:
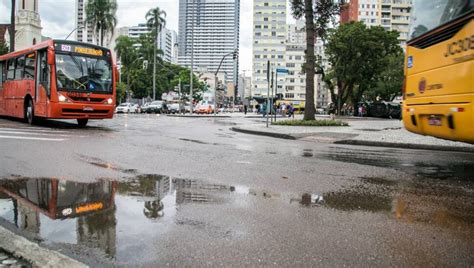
{"x":88,"y":109}
{"x":434,"y":121}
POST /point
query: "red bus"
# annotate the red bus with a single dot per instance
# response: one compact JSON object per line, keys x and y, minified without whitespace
{"x":58,"y":79}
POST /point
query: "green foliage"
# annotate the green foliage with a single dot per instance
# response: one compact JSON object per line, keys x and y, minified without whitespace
{"x":390,"y":81}
{"x":358,"y":56}
{"x":312,"y":123}
{"x":3,"y":48}
{"x":155,"y":20}
{"x":101,"y":14}
{"x":121,"y":88}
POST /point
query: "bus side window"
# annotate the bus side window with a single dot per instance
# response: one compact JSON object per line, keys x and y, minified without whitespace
{"x":30,"y":66}
{"x":20,"y":68}
{"x":44,"y":73}
{"x":2,"y":74}
{"x":11,"y":69}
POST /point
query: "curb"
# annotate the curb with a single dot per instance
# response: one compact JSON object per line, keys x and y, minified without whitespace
{"x":264,"y":133}
{"x":32,"y":252}
{"x":407,"y":146}
{"x":363,"y":142}
{"x":199,"y":116}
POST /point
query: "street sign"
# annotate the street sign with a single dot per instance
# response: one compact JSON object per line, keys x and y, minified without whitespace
{"x":282,"y":70}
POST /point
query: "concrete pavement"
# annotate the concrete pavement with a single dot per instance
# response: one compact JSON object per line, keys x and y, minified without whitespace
{"x":361,"y":131}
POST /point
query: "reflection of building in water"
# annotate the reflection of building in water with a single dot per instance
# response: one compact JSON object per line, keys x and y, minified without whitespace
{"x":92,"y":203}
{"x":195,"y":191}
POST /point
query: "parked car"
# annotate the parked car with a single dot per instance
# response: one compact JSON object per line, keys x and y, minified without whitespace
{"x":157,"y":107}
{"x":134,"y":108}
{"x":205,"y":108}
{"x":124,"y":108}
{"x":144,"y":107}
{"x":173,"y":108}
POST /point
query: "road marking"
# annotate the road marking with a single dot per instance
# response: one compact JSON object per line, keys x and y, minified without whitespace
{"x":29,"y":133}
{"x":29,"y":138}
{"x":32,"y":129}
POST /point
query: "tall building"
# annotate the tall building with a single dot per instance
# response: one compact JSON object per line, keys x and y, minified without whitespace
{"x":269,"y":40}
{"x":209,"y":29}
{"x":167,"y":39}
{"x":390,"y":14}
{"x":84,"y":33}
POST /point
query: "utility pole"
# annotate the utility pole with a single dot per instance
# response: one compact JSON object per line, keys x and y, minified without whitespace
{"x":268,"y":89}
{"x":234,"y":53}
{"x":12,"y":28}
{"x":192,"y":59}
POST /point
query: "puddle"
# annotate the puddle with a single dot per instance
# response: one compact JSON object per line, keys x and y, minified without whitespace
{"x":436,"y":169}
{"x":102,"y":164}
{"x":99,"y":214}
{"x":195,"y":141}
{"x":114,"y":219}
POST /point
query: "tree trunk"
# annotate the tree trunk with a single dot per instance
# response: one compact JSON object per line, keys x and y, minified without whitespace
{"x":127,"y":94}
{"x":154,"y":63}
{"x":102,"y":37}
{"x":12,"y":28}
{"x":309,"y":109}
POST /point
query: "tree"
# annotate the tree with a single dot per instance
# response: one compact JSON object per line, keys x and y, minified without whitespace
{"x":155,"y":21}
{"x":128,"y":56}
{"x":101,"y":14}
{"x":3,"y":48}
{"x":318,"y":14}
{"x":389,"y":81}
{"x":357,"y":55}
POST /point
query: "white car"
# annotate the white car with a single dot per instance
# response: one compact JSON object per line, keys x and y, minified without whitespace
{"x":126,"y":108}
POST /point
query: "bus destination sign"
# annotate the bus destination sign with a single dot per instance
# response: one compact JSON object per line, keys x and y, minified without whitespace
{"x":80,"y":49}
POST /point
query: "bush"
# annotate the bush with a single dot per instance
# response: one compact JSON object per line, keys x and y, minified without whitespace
{"x":312,"y":123}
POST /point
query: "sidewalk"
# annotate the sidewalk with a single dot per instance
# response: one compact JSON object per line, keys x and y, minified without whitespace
{"x":361,"y":131}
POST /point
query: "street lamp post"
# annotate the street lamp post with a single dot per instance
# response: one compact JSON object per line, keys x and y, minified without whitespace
{"x":192,"y":58}
{"x":77,"y":28}
{"x":234,"y":53}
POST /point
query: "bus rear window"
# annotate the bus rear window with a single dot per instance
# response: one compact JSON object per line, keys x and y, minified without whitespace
{"x":429,"y":14}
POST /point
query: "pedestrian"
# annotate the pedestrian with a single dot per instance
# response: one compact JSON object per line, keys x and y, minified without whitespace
{"x":245,"y":109}
{"x":291,"y":111}
{"x":257,"y":108}
{"x":283,"y":108}
{"x":363,"y":111}
{"x":360,"y":111}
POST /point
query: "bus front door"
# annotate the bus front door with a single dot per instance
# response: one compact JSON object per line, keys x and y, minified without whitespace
{"x":42,"y":85}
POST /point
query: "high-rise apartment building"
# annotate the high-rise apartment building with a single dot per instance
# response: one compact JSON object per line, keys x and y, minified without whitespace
{"x":269,"y":40}
{"x":84,"y":32}
{"x":167,"y":40}
{"x":390,"y":14}
{"x":209,"y":29}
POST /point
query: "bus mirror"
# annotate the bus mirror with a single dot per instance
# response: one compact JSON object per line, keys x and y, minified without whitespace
{"x":50,"y":57}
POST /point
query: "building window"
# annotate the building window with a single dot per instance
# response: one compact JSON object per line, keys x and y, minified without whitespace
{"x":257,"y":56}
{"x":265,"y":4}
{"x":289,"y":95}
{"x":290,"y":65}
{"x":274,"y":33}
{"x":258,"y":26}
{"x":265,"y":19}
{"x":297,"y":57}
{"x":280,"y":56}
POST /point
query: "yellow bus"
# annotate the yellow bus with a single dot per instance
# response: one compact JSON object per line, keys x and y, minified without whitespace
{"x":439,"y":70}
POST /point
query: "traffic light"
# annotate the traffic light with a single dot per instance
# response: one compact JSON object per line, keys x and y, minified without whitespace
{"x":235,"y":54}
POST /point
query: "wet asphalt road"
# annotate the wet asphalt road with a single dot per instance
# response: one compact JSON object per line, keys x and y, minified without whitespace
{"x":148,"y":190}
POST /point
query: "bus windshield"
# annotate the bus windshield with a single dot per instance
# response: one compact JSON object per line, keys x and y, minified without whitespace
{"x":429,"y":14}
{"x":82,"y":73}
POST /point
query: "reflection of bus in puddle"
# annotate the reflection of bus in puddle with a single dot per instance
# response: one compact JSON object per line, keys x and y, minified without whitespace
{"x":86,"y":211}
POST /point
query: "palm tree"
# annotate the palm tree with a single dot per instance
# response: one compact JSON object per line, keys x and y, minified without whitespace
{"x":155,"y":21}
{"x":127,"y":55}
{"x":101,"y":15}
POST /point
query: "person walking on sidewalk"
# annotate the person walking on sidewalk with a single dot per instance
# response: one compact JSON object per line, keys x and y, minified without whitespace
{"x":291,"y":111}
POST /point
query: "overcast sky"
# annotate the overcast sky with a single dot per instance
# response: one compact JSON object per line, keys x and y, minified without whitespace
{"x":57,"y":19}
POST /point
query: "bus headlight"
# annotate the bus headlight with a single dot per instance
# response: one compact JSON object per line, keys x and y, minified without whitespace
{"x":62,"y":98}
{"x":109,"y":101}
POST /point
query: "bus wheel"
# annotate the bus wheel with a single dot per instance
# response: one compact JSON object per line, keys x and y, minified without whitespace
{"x":29,"y":112}
{"x":82,"y":122}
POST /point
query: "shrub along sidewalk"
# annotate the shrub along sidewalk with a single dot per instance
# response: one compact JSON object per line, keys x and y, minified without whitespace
{"x":312,"y":123}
